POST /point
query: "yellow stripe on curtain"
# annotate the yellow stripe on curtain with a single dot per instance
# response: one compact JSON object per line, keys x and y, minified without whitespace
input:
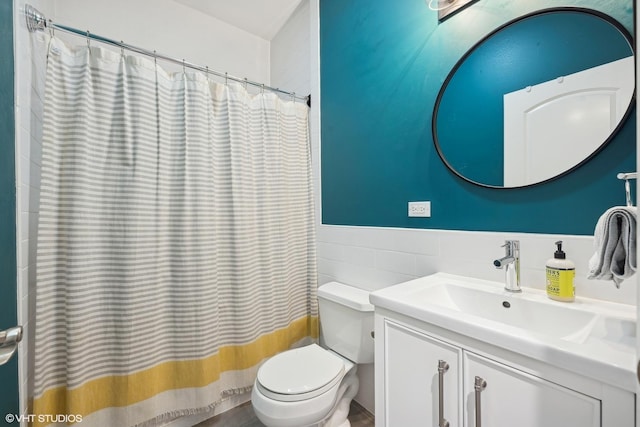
{"x":125,"y":390}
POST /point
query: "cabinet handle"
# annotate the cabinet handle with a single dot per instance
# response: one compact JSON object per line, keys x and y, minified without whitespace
{"x":442,"y":368}
{"x":478,"y":386}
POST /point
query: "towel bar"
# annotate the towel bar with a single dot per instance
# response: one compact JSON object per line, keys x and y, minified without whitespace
{"x":9,"y":340}
{"x":627,"y":187}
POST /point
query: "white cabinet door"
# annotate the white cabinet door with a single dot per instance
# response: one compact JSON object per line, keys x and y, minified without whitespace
{"x":515,"y":398}
{"x":411,"y":377}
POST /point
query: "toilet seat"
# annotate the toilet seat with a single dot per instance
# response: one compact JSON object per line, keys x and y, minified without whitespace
{"x":300,"y":374}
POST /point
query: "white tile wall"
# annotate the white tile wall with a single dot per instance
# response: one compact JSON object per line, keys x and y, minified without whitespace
{"x":373,"y":258}
{"x":29,"y":88}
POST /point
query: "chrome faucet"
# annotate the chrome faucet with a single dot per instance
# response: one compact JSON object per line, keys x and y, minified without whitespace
{"x":511,"y":261}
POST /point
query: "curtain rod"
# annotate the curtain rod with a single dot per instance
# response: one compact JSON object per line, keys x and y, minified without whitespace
{"x":36,"y":21}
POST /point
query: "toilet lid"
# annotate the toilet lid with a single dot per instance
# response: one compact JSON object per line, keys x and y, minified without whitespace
{"x":301,"y":370}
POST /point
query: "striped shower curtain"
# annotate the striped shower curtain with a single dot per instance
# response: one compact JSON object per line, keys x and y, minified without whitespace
{"x":175,"y":247}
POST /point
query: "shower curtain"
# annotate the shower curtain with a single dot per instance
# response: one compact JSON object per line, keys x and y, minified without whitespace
{"x":176,"y":246}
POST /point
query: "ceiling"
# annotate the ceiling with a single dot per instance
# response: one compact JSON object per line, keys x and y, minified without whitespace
{"x":264,"y":18}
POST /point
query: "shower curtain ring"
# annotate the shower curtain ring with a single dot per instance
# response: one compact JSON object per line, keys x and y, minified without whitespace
{"x":226,"y":78}
{"x":184,"y":69}
{"x":262,"y":89}
{"x":51,"y":29}
{"x":155,"y":58}
{"x":245,"y":83}
{"x":122,"y":48}
{"x":293,"y":97}
{"x":88,"y":39}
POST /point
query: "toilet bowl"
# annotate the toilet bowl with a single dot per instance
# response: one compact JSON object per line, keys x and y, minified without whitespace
{"x":302,"y":387}
{"x":311,"y":385}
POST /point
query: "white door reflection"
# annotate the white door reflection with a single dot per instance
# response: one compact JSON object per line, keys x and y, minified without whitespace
{"x":553,"y":126}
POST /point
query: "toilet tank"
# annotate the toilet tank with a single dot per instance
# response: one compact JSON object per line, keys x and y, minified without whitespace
{"x":346,"y":321}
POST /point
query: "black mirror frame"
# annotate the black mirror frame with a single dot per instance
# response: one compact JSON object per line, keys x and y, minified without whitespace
{"x":601,"y":15}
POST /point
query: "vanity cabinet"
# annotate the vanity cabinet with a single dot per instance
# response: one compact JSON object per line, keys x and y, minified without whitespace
{"x":426,"y":378}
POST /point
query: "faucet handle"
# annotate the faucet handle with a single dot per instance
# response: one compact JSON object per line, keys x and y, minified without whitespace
{"x":511,"y":244}
{"x":511,"y":247}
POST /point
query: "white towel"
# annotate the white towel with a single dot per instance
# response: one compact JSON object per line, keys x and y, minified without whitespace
{"x":615,"y":245}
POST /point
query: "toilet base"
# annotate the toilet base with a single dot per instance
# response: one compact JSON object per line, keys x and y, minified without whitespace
{"x":346,"y":423}
{"x":335,"y":417}
{"x":348,"y":390}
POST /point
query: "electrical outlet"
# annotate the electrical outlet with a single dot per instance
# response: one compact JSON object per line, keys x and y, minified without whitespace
{"x":420,"y":209}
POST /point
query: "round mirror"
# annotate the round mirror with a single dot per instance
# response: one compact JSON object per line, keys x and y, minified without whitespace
{"x":536,"y":98}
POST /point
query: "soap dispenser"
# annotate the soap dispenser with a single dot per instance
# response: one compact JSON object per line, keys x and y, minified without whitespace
{"x":560,"y":275}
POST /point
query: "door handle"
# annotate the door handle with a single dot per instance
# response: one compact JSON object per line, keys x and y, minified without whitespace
{"x":9,"y":340}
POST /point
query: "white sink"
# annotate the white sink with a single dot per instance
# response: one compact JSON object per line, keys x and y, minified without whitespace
{"x":591,"y":337}
{"x":616,"y":332}
{"x":496,"y":305}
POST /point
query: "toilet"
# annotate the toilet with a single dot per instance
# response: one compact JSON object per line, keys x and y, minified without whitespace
{"x":311,"y":385}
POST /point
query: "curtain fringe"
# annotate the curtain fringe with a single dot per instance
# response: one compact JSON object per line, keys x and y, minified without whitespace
{"x":173,"y":415}
{"x":236,"y":391}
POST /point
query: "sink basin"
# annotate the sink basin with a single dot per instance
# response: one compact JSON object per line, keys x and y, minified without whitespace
{"x":499,"y":306}
{"x":615,"y":332}
{"x":594,"y":338}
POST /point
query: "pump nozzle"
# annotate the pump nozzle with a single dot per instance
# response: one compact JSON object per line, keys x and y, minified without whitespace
{"x":559,"y":254}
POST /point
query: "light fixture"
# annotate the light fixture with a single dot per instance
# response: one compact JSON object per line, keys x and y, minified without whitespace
{"x":441,"y":4}
{"x":447,"y":8}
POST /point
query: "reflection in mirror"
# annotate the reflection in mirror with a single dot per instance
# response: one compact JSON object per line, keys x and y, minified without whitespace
{"x":536,"y":98}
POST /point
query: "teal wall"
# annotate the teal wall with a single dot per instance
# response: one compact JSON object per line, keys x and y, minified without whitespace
{"x":382,"y":65}
{"x":8,"y":315}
